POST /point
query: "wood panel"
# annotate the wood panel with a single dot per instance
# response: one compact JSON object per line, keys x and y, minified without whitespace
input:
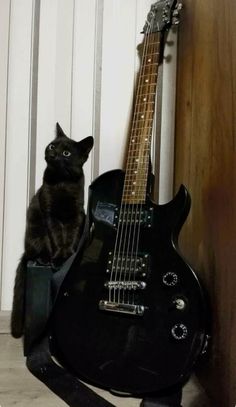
{"x":205,"y":162}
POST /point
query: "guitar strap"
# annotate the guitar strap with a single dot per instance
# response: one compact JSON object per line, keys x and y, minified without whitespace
{"x":39,"y":360}
{"x":60,"y":381}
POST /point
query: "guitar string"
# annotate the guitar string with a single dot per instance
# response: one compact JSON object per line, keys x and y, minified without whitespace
{"x":139,"y":207}
{"x":149,"y":141}
{"x":138,"y":212}
{"x":127,"y":214}
{"x":120,"y":227}
{"x":131,"y":208}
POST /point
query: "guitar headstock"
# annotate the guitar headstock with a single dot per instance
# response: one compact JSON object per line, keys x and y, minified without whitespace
{"x":162,"y":15}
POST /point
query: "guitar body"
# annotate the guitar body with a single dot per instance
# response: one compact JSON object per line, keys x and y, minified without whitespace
{"x":127,"y":350}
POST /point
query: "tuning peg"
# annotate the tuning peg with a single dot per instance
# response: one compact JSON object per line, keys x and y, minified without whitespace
{"x":166,"y":20}
{"x":175,"y":13}
{"x":179,"y":6}
{"x":175,"y":21}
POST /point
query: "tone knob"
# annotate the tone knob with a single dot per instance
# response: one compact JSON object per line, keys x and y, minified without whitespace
{"x":170,"y":279}
{"x":179,"y":331}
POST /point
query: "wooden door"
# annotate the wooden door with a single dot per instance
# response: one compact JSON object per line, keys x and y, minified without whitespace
{"x":205,"y":162}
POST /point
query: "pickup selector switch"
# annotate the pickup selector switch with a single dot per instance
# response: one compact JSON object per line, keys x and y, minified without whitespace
{"x":179,"y":331}
{"x":179,"y":303}
{"x":170,"y":279}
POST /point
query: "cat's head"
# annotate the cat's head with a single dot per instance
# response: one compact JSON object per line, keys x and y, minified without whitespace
{"x":65,"y":157}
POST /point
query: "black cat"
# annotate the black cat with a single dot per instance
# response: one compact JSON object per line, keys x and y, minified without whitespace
{"x":55,"y":216}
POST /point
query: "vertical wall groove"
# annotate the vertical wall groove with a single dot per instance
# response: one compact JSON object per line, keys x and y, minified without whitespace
{"x":72,"y":67}
{"x":33,"y":99}
{"x":4,"y":147}
{"x":97,"y":83}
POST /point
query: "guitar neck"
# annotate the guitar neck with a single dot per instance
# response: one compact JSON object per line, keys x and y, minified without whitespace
{"x":137,"y":164}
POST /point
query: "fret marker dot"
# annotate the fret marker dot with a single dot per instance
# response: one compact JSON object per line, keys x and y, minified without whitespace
{"x":146,"y":139}
{"x":135,"y":172}
{"x":146,"y":80}
{"x":149,"y":60}
{"x":133,"y":193}
{"x":144,"y":99}
{"x":142,"y":116}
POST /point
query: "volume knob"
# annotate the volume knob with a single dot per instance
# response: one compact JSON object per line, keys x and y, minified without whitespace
{"x":170,"y":279}
{"x":179,"y":331}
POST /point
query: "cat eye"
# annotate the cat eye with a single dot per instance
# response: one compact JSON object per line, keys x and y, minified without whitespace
{"x":51,"y":147}
{"x":66,"y":153}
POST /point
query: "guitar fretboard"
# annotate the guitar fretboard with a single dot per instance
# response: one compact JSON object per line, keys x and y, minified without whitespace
{"x":137,"y":164}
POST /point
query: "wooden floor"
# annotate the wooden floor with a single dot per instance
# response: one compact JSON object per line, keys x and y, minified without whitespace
{"x":18,"y":388}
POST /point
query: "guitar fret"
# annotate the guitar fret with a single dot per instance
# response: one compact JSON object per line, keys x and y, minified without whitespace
{"x":153,"y":53}
{"x":143,"y":120}
{"x":153,"y":64}
{"x":131,"y":187}
{"x":153,"y":43}
{"x":146,"y":94}
{"x":140,"y":162}
{"x":148,"y":74}
{"x":139,"y":169}
{"x":144,"y":145}
{"x":136,"y":157}
{"x":135,"y":153}
{"x":144,"y":103}
{"x":147,"y":84}
{"x":138,"y":195}
{"x":137,"y":163}
{"x":138,"y":136}
{"x":137,"y":181}
{"x":136,"y":171}
{"x":141,"y":128}
{"x":143,"y":112}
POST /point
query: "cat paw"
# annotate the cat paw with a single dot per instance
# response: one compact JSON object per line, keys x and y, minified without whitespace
{"x":43,"y":261}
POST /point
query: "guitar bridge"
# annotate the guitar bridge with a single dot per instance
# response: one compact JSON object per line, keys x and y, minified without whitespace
{"x":131,"y":309}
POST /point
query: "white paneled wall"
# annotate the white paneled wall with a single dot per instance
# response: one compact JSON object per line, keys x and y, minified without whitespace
{"x":71,"y":61}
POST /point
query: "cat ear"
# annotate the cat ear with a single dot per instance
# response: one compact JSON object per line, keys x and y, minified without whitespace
{"x":85,"y":146}
{"x":59,"y":131}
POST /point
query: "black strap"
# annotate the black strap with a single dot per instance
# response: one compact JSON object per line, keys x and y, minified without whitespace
{"x":43,"y":279}
{"x":60,"y":381}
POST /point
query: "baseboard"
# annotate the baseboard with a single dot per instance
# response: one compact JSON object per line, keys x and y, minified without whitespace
{"x":5,"y":322}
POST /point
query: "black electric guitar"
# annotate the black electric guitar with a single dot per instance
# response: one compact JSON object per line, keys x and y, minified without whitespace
{"x":131,"y":316}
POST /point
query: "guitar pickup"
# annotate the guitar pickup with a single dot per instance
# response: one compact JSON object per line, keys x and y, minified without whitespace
{"x":134,"y":216}
{"x":128,"y":265}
